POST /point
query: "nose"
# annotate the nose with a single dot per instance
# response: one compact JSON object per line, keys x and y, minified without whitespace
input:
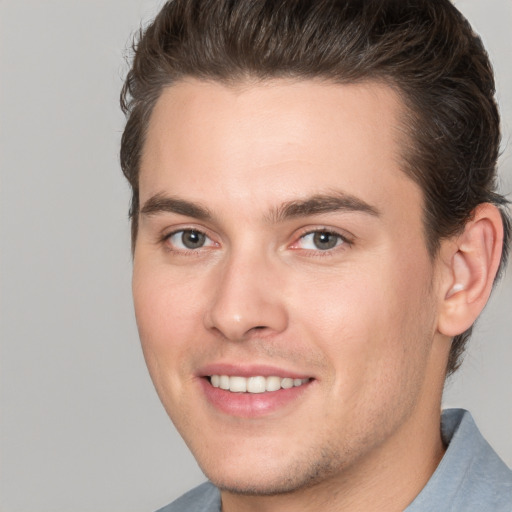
{"x":247,"y":300}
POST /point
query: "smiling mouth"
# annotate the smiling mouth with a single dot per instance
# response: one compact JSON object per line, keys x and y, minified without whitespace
{"x":256,"y":384}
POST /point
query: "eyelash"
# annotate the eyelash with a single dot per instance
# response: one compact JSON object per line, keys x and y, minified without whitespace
{"x":342,"y":241}
{"x":165,"y":240}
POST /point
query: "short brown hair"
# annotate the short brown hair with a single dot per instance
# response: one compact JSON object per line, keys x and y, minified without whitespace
{"x":424,"y":49}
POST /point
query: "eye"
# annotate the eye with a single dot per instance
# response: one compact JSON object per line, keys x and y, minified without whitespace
{"x":320,"y":240}
{"x":189,"y":239}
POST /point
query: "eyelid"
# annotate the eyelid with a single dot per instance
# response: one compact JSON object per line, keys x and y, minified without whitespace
{"x":166,"y":236}
{"x":346,"y":239}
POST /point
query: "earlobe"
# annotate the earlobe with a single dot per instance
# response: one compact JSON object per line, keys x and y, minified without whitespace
{"x":472,"y":265}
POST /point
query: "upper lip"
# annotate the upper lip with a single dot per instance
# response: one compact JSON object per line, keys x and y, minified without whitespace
{"x":251,"y":370}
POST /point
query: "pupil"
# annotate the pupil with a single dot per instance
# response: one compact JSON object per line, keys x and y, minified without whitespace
{"x":325,"y":240}
{"x":192,"y":239}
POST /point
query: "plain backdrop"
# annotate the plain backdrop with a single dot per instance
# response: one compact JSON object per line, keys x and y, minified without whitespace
{"x":81,"y":428}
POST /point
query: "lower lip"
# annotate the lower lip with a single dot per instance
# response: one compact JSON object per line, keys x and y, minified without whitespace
{"x":251,"y":405}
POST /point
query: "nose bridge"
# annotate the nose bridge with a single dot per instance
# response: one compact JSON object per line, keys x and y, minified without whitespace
{"x":245,"y":298}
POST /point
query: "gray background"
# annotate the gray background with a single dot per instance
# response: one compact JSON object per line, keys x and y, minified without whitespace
{"x":81,"y":427}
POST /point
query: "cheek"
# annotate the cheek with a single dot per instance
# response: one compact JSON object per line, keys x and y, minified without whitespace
{"x":166,"y":302}
{"x":169,"y":319}
{"x":373,"y":322}
{"x":169,"y":316}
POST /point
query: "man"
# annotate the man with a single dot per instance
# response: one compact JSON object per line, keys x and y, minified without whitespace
{"x":315,"y":230}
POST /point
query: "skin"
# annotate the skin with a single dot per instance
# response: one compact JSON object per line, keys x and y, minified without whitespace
{"x":361,"y":320}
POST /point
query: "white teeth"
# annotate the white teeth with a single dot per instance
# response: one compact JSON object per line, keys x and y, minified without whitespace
{"x":257,"y":384}
{"x":238,"y":384}
{"x":287,"y":383}
{"x":224,"y":382}
{"x":273,"y":383}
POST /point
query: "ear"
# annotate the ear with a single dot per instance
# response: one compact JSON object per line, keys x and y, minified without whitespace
{"x":470,"y":262}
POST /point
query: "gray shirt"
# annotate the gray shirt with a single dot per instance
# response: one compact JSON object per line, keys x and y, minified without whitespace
{"x":470,"y":477}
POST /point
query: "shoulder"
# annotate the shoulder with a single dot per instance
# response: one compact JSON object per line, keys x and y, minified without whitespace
{"x":471,"y":476}
{"x":204,"y":498}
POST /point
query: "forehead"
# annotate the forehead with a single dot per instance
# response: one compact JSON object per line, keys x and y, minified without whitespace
{"x":244,"y":142}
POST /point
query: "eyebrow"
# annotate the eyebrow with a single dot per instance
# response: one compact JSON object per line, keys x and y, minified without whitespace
{"x":321,"y":203}
{"x":160,"y":203}
{"x":314,"y":205}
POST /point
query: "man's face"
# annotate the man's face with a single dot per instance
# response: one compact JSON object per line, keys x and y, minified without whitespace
{"x":278,"y":239}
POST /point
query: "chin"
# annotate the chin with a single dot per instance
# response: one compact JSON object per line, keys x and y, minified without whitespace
{"x":271,"y":478}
